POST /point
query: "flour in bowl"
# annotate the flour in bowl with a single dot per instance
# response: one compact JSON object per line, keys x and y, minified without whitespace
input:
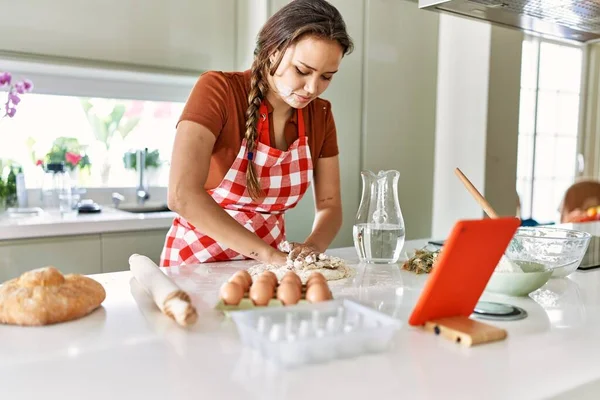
{"x":506,"y":265}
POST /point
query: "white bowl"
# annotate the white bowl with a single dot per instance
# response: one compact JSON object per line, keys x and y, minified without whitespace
{"x":518,"y":284}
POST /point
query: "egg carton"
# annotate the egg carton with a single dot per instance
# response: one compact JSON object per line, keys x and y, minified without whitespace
{"x":315,"y":333}
{"x":246,"y":303}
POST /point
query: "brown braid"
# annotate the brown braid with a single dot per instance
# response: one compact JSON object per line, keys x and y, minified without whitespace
{"x":258,"y":91}
{"x":288,"y":25}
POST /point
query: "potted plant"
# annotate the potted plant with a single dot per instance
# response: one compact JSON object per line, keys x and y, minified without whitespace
{"x":153,"y":162}
{"x":69,"y":151}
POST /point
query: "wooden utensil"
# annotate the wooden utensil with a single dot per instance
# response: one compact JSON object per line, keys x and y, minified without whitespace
{"x":476,"y":195}
{"x":486,"y":207}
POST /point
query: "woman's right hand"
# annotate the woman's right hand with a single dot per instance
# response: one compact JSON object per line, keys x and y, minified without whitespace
{"x":277,"y":258}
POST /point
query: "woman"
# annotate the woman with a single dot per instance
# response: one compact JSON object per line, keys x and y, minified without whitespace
{"x":248,"y":145}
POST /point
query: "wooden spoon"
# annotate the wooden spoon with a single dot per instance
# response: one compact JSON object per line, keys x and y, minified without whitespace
{"x":507,"y":263}
{"x":476,"y":195}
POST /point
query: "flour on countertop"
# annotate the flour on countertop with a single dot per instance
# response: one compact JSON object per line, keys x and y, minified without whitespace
{"x":332,"y":268}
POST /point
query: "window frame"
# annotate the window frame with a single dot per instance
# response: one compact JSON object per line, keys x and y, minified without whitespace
{"x":578,"y":168}
{"x":69,"y":77}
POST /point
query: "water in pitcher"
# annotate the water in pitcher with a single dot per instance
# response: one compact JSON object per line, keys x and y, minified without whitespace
{"x":377,"y":243}
{"x":379,"y":226}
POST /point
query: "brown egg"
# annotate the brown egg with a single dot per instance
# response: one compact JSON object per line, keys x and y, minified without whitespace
{"x":271,"y":276}
{"x":292,"y":277}
{"x":318,"y":292}
{"x":240,"y":280}
{"x":288,"y":293}
{"x":265,"y":279}
{"x":231,"y":293}
{"x":261,"y":292}
{"x":246,"y":276}
{"x":315,"y":277}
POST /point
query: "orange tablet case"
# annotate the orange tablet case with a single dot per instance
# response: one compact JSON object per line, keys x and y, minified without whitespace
{"x":463,"y":269}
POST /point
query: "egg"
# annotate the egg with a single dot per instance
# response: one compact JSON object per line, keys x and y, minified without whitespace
{"x":264,"y":279}
{"x":261,"y":292}
{"x":318,"y":292}
{"x":315,"y":277}
{"x":246,"y":276}
{"x":288,"y":293}
{"x":231,"y":293}
{"x":240,"y":280}
{"x":292,"y":277}
{"x":271,"y":276}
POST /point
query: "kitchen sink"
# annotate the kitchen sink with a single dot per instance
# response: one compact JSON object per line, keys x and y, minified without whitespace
{"x":18,"y":212}
{"x":148,"y":207}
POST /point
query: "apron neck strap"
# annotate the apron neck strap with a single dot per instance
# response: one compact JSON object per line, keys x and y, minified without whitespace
{"x":264,"y":134}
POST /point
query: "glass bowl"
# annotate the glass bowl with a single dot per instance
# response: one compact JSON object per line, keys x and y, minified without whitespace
{"x":560,"y":250}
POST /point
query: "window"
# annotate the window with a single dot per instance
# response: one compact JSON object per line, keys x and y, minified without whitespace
{"x":548,"y":125}
{"x":101,"y":117}
{"x":104,"y":134}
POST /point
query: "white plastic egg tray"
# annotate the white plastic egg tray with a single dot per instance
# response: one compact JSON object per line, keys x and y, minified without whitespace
{"x":314,"y":333}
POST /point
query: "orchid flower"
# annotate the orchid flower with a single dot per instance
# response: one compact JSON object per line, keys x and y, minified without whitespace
{"x":14,"y":91}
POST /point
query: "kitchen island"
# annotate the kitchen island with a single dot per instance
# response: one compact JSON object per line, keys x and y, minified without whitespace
{"x":127,"y":349}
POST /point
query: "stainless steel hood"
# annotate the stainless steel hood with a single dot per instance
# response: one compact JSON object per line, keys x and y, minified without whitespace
{"x":577,"y":20}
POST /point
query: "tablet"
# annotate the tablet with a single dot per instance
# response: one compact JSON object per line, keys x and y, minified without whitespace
{"x":463,"y":268}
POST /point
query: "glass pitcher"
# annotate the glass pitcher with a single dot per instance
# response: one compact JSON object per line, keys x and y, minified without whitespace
{"x":379,"y":227}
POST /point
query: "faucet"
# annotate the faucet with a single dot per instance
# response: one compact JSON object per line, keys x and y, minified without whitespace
{"x":141,"y":192}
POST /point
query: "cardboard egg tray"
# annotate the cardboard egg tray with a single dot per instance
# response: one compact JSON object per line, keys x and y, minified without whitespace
{"x":247,"y":304}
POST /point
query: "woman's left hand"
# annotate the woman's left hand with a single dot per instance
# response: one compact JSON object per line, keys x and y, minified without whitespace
{"x":303,"y":251}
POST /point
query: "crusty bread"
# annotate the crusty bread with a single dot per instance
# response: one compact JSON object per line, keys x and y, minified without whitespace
{"x":44,"y":296}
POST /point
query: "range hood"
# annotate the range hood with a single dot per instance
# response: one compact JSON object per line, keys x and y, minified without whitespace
{"x":577,"y":20}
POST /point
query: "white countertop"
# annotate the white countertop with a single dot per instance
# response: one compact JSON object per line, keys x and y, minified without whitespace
{"x":51,"y":223}
{"x":128,"y":350}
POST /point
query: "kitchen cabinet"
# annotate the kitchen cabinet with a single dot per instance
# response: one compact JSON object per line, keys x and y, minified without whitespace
{"x":71,"y":254}
{"x":117,"y":247}
{"x":82,"y":254}
{"x":173,"y":34}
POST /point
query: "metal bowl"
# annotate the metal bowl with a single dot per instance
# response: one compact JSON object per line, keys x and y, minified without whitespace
{"x":560,"y":250}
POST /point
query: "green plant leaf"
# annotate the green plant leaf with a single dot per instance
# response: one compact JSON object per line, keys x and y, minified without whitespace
{"x":86,"y":105}
{"x":99,"y":129}
{"x":129,"y":125}
{"x":117,"y":114}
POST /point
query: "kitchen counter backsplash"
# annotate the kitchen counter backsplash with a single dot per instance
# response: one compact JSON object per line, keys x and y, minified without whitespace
{"x":103,"y":196}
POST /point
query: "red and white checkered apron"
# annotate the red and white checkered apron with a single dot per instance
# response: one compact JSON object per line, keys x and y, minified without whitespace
{"x":284,"y":176}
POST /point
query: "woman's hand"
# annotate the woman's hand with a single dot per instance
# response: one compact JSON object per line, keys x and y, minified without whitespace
{"x":277,"y":258}
{"x":303,"y":251}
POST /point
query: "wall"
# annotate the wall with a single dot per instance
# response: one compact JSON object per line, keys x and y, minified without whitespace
{"x":503,"y":120}
{"x":400,"y":103}
{"x":170,"y":34}
{"x":477,"y":119}
{"x":461,"y":120}
{"x":250,"y":16}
